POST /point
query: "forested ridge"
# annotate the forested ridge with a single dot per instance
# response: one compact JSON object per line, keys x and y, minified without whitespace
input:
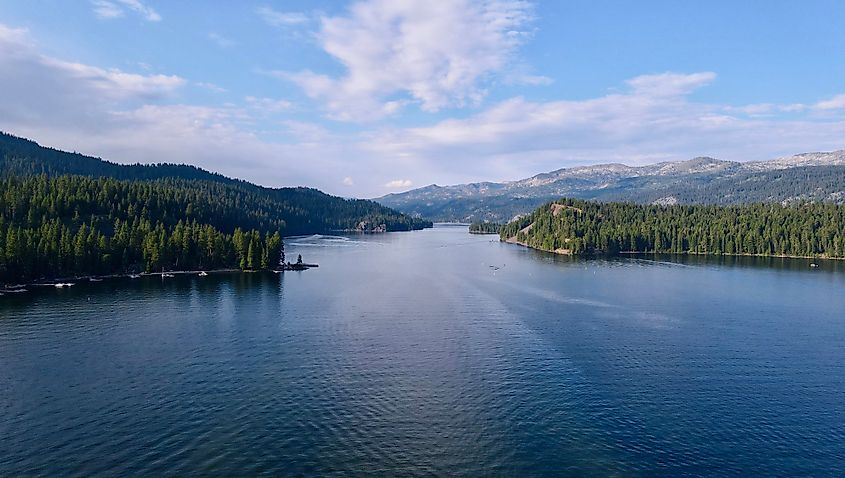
{"x":64,"y":215}
{"x":295,"y":211}
{"x":586,"y":227}
{"x":72,"y":225}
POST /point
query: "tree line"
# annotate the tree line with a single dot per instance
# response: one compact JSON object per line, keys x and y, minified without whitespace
{"x":71,"y":225}
{"x":231,"y":202}
{"x":586,"y":227}
{"x":484,"y":227}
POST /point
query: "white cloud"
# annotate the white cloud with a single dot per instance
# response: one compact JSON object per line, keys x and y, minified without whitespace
{"x":109,"y":9}
{"x":653,"y":121}
{"x":268,"y":105}
{"x":835,"y":103}
{"x":280,"y":19}
{"x":399,"y":183}
{"x":211,"y":87}
{"x":437,"y":54}
{"x":40,"y":89}
{"x":13,"y":38}
{"x":757,"y":109}
{"x":670,"y":84}
{"x":221,"y":41}
{"x":131,"y":117}
{"x":347,"y":181}
{"x":128,"y":117}
{"x":106,"y":9}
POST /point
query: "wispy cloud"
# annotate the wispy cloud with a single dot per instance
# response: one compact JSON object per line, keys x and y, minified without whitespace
{"x":221,"y":41}
{"x":835,"y":103}
{"x":436,"y":54}
{"x":277,"y":18}
{"x":268,"y":105}
{"x":211,"y":87}
{"x":109,"y":9}
{"x":399,"y":183}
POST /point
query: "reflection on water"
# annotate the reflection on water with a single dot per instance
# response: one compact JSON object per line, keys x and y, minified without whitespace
{"x":432,"y":352}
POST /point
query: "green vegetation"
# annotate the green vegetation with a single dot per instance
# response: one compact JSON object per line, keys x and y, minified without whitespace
{"x":64,"y":214}
{"x":72,"y":225}
{"x":584,"y":227}
{"x":294,"y":211}
{"x":479,"y":227}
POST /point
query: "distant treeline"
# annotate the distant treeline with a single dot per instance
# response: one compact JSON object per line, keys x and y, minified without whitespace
{"x":585,"y":227}
{"x":480,"y":227}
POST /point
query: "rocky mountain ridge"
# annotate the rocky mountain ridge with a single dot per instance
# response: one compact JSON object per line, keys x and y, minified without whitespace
{"x":818,"y":176}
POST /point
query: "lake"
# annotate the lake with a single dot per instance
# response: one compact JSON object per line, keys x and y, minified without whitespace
{"x":432,"y":353}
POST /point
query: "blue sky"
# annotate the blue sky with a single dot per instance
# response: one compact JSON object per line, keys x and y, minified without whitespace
{"x":374,"y":96}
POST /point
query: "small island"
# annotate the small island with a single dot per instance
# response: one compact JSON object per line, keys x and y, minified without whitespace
{"x":296,"y":266}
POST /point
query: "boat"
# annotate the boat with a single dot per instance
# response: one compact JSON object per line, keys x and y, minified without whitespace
{"x":94,"y":279}
{"x":62,"y":285}
{"x":814,"y":265}
{"x":134,"y":276}
{"x":203,"y":274}
{"x":167,"y":275}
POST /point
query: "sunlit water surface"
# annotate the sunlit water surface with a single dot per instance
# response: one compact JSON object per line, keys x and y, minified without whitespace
{"x":432,"y":353}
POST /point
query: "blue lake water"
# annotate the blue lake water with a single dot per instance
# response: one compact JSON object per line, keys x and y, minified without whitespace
{"x":432,"y":353}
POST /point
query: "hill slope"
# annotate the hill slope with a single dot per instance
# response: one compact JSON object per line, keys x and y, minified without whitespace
{"x":68,"y":215}
{"x":294,"y":211}
{"x":573,"y":226}
{"x":810,"y":176}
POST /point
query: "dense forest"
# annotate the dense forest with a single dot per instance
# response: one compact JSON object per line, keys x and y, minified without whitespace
{"x":294,"y":211}
{"x":73,"y":225}
{"x":483,"y":227}
{"x":585,"y":227}
{"x":65,"y":214}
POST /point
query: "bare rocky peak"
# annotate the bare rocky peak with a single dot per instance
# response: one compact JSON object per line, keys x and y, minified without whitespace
{"x":834,"y":158}
{"x":600,"y":176}
{"x":698,"y":165}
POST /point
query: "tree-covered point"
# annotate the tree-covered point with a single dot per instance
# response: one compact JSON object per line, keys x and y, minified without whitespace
{"x":585,"y":227}
{"x":479,"y":227}
{"x":236,"y":203}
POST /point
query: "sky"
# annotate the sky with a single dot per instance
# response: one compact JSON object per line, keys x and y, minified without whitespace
{"x":368,"y":97}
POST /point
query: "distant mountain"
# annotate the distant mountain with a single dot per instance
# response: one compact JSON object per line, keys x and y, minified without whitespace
{"x":703,"y":180}
{"x":293,"y":211}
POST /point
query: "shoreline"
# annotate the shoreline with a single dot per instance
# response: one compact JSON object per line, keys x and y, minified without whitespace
{"x":22,"y":287}
{"x":566,"y":252}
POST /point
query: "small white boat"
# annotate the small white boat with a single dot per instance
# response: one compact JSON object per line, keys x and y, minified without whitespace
{"x":62,"y":285}
{"x":167,"y":275}
{"x":134,"y":276}
{"x":94,"y":279}
{"x":203,"y":274}
{"x":814,"y":265}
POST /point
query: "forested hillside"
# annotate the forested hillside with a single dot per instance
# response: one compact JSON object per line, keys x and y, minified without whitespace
{"x":583,"y":227}
{"x":72,"y":225}
{"x":294,"y":211}
{"x":65,"y":214}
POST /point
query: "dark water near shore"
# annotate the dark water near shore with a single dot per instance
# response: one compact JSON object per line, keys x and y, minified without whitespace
{"x":408,"y":354}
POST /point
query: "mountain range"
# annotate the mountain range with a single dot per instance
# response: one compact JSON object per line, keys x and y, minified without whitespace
{"x":703,"y":180}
